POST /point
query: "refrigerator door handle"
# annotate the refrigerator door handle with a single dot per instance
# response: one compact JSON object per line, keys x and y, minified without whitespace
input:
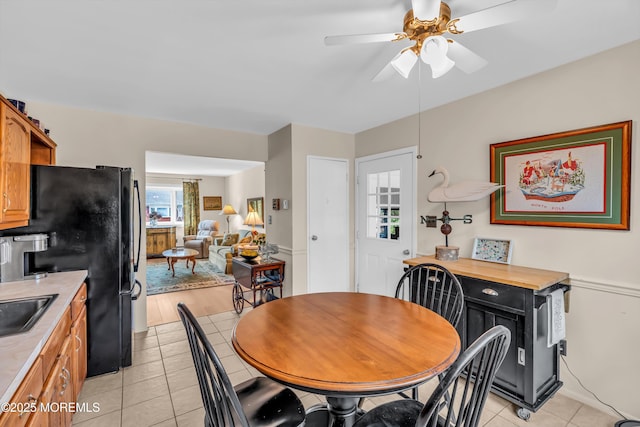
{"x":135,"y":265}
{"x":135,"y":295}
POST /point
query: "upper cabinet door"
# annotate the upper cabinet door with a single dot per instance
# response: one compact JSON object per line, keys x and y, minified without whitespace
{"x":15,"y":149}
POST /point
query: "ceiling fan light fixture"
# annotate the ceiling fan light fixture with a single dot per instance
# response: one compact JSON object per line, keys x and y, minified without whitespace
{"x":404,"y":62}
{"x":434,"y":52}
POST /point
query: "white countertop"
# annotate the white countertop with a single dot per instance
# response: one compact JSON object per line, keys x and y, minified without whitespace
{"x":18,"y":352}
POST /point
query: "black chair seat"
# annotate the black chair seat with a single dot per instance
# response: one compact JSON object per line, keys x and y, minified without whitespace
{"x":399,"y":413}
{"x":268,"y":403}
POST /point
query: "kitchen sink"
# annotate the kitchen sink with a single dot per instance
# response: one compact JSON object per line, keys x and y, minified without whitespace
{"x":19,"y":315}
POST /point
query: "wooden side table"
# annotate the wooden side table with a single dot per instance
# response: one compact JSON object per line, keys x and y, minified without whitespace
{"x":257,"y":276}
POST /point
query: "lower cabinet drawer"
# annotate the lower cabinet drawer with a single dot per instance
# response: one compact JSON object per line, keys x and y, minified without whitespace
{"x":25,"y":401}
{"x":505,"y":297}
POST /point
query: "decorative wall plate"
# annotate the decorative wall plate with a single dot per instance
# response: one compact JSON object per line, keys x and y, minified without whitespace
{"x":494,"y":250}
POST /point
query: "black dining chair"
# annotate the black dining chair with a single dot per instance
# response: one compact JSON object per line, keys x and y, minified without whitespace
{"x":436,"y":288}
{"x":257,"y":402}
{"x":459,"y":398}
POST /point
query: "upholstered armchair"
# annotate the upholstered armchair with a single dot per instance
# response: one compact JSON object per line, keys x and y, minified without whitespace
{"x":207,"y":231}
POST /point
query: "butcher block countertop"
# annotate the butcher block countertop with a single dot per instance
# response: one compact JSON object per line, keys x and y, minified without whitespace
{"x":524,"y":277}
{"x":18,"y":352}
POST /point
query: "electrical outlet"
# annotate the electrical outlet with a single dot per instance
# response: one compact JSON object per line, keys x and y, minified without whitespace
{"x":562,"y":346}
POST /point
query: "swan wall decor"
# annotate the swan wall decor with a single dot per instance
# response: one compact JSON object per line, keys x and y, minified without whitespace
{"x":465,"y":191}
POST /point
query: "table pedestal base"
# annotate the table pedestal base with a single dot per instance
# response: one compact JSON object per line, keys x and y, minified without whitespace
{"x":337,"y":412}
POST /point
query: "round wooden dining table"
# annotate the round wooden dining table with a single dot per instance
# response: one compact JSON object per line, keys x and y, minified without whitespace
{"x":345,"y":346}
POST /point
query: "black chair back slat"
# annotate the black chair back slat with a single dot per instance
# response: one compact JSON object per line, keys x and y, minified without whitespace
{"x":477,"y":368}
{"x":434,"y":287}
{"x":220,"y":401}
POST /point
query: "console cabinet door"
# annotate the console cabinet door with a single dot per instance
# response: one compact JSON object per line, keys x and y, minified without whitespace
{"x":478,"y":319}
{"x":15,"y":149}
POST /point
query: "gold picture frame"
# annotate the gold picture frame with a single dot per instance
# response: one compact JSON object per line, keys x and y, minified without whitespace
{"x":212,"y":203}
{"x":579,"y":178}
{"x":257,"y":204}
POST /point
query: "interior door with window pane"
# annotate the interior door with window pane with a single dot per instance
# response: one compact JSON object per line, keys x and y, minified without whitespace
{"x":385,"y":220}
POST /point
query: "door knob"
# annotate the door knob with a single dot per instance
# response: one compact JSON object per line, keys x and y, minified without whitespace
{"x":314,"y":237}
{"x":406,"y":252}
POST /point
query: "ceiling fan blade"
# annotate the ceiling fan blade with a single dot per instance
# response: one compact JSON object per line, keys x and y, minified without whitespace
{"x":363,"y":38}
{"x":465,"y":59}
{"x":425,"y":10}
{"x":511,"y":11}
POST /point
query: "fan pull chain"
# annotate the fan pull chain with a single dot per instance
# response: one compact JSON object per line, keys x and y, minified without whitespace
{"x":419,"y":156}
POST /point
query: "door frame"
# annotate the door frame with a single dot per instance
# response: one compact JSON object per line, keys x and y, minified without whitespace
{"x":413,"y":150}
{"x":346,"y":217}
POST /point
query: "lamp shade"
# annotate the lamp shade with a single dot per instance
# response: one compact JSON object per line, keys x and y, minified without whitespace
{"x":404,"y":62}
{"x":228,"y":210}
{"x":253,"y":219}
{"x":434,"y":53}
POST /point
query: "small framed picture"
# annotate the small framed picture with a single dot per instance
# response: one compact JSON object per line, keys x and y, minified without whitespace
{"x":212,"y":203}
{"x":493,"y":250}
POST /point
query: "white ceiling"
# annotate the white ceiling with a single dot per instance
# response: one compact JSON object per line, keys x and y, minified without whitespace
{"x":258,"y":65}
{"x":189,"y":166}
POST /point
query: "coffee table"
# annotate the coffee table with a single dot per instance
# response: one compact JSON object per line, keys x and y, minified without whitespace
{"x":173,"y":255}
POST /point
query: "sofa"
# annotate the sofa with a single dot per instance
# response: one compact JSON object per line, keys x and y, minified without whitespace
{"x":223,"y":249}
{"x":202,"y":240}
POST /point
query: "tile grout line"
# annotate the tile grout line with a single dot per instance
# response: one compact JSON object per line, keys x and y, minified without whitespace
{"x":164,"y":369}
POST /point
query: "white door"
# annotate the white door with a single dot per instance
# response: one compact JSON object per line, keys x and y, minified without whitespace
{"x":385,"y":219}
{"x":327,"y":224}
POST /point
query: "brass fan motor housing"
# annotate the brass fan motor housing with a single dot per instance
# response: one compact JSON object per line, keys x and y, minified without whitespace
{"x":418,"y":30}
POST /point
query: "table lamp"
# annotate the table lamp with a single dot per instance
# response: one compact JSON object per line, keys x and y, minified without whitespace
{"x":253,"y":219}
{"x":228,"y":210}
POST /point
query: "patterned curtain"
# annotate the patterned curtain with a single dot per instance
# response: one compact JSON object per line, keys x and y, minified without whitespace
{"x":191,"y":206}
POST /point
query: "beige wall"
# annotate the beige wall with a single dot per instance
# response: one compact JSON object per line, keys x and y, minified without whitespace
{"x":603,"y":326}
{"x":279,"y":185}
{"x":287,"y":179}
{"x":86,"y":138}
{"x":239,"y":188}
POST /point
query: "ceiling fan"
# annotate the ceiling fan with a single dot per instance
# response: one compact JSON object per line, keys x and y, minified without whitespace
{"x":429,"y":21}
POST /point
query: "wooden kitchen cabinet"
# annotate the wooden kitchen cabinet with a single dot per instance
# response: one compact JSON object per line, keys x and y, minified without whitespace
{"x":21,"y":145}
{"x":55,"y":379}
{"x":26,"y":399}
{"x":15,"y":150}
{"x":58,"y":392}
{"x":79,"y":339}
{"x":159,"y":239}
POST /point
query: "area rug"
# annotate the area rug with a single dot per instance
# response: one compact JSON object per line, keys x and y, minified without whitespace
{"x":159,"y":279}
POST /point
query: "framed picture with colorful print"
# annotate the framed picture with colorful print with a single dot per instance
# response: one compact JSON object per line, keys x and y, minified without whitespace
{"x":579,"y":178}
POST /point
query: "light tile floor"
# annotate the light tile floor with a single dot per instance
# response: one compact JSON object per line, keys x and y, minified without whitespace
{"x":160,"y":388}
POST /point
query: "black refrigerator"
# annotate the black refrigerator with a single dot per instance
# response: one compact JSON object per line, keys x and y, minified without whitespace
{"x":88,"y":216}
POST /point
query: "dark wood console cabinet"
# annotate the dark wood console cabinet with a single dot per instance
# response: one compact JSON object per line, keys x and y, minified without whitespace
{"x":515,"y":297}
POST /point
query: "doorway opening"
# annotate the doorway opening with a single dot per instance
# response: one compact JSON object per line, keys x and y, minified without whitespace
{"x":220,"y":182}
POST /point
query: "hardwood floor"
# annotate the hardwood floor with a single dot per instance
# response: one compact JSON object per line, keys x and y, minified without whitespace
{"x":161,"y":308}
